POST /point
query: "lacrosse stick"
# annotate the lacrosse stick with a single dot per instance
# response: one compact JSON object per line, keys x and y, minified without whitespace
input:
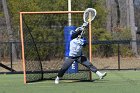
{"x":88,"y":12}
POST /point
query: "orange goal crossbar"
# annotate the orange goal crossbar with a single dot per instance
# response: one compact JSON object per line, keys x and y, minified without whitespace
{"x":52,"y":12}
{"x":49,"y":12}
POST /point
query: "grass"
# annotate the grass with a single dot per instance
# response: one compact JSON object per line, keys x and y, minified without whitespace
{"x":114,"y":82}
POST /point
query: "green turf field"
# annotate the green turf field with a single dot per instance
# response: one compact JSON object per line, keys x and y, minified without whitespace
{"x":115,"y":82}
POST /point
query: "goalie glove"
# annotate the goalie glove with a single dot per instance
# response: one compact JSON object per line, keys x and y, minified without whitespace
{"x":79,"y":29}
{"x":85,"y":24}
{"x":77,"y":33}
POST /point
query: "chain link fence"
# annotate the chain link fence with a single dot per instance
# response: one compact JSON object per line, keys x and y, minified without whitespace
{"x":113,"y":56}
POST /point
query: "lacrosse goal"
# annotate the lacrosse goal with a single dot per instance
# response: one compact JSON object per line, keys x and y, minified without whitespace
{"x":42,"y":41}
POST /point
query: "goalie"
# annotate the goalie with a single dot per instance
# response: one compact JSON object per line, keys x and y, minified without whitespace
{"x":75,"y":54}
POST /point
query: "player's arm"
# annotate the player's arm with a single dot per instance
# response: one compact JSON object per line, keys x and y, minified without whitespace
{"x":84,"y":41}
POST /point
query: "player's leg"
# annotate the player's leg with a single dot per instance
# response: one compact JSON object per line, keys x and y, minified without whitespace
{"x":68,"y":62}
{"x":65,"y":66}
{"x":84,"y":61}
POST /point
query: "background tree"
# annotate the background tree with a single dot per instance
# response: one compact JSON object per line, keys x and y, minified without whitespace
{"x":9,"y":29}
{"x":111,"y":23}
{"x":121,"y":20}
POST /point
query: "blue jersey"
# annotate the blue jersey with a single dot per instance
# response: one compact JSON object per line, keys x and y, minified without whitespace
{"x":76,"y":46}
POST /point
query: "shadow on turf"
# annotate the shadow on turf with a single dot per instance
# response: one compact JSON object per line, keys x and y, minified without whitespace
{"x":77,"y":81}
{"x":72,"y":81}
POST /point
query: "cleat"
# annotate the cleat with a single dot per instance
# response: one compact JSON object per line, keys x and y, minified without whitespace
{"x":103,"y":75}
{"x":57,"y":80}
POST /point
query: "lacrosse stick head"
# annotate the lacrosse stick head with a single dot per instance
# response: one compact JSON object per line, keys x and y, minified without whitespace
{"x":86,"y":14}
